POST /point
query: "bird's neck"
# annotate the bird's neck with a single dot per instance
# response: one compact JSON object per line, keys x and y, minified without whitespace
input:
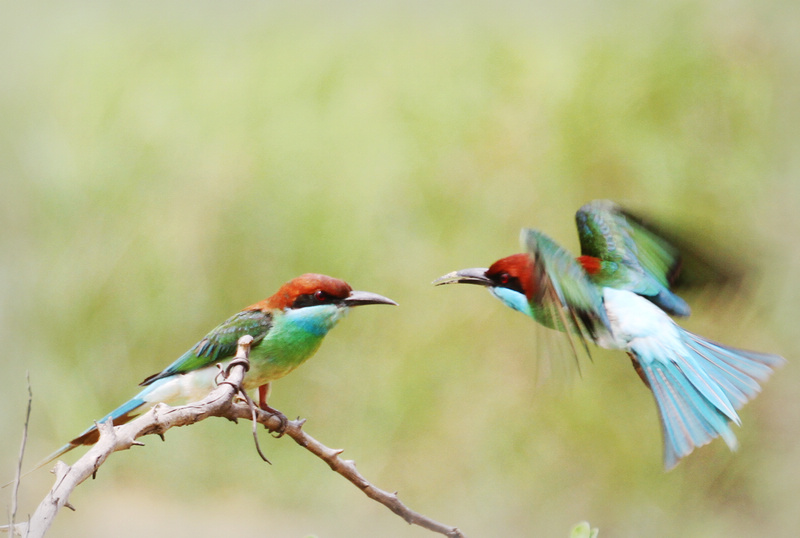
{"x":295,"y":335}
{"x":313,"y":320}
{"x":513,"y":299}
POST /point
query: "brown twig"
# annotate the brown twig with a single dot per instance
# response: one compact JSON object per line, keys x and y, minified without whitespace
{"x":346,"y":468}
{"x":18,"y":475}
{"x":221,"y":403}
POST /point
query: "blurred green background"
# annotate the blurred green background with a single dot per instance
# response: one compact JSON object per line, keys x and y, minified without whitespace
{"x":163,"y":165}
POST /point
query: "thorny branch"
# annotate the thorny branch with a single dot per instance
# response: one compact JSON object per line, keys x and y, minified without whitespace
{"x":221,"y":402}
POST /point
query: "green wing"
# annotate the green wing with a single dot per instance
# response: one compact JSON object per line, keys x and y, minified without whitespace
{"x":565,"y":298}
{"x":633,"y":256}
{"x":219,"y":344}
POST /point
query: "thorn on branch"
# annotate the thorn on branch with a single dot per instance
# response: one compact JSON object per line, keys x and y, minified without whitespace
{"x":60,"y":470}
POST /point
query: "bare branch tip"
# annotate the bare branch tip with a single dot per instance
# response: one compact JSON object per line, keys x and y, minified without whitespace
{"x":243,"y":349}
{"x":60,"y":469}
{"x":105,"y":427}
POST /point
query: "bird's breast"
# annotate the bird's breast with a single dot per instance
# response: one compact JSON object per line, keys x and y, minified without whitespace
{"x":287,"y":346}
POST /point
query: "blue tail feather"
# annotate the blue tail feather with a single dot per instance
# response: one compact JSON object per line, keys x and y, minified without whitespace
{"x":688,"y":419}
{"x":120,"y":415}
{"x":698,"y":389}
{"x":692,"y":371}
{"x":128,"y":407}
{"x":737,"y":371}
{"x":115,"y":415}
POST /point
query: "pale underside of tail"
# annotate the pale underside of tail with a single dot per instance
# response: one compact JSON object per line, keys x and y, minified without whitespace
{"x":698,"y":384}
{"x":120,"y":415}
{"x":172,"y":390}
{"x":694,"y":409}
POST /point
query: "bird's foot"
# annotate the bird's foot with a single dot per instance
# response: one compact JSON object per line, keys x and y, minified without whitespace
{"x":280,"y":430}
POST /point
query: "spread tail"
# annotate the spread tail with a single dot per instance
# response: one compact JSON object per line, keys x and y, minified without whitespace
{"x":698,"y":390}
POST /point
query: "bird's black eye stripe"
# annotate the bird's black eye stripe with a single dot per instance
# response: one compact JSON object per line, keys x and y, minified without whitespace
{"x":505,"y":280}
{"x":313,"y":299}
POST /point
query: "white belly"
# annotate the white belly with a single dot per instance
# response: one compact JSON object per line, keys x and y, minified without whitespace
{"x":637,"y":323}
{"x":184,"y":388}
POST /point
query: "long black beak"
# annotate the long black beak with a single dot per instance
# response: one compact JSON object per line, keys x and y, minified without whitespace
{"x":476,"y":275}
{"x":359,"y":298}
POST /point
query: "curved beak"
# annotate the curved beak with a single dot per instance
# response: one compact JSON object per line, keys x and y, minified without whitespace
{"x":476,"y":275}
{"x":359,"y":298}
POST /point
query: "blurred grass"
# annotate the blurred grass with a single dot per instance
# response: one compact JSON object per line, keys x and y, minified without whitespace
{"x":162,"y":166}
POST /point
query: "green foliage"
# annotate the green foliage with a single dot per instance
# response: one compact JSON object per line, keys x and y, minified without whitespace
{"x":164,"y":165}
{"x":583,"y":530}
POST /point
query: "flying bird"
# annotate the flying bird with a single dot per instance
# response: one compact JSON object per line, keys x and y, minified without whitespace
{"x":618,"y":295}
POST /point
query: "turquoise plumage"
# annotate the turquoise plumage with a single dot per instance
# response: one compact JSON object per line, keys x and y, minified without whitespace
{"x":618,"y":295}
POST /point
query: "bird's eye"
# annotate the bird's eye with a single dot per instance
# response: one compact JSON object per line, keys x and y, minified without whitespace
{"x":320,"y":295}
{"x":504,"y":278}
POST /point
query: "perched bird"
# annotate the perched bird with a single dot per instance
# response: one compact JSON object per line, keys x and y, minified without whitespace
{"x":287,"y":329}
{"x":618,"y":295}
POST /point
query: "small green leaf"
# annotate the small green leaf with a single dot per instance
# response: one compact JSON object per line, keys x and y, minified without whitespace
{"x":583,"y":530}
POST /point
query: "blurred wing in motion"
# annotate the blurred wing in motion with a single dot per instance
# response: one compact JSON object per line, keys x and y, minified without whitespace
{"x":564,"y":297}
{"x":619,"y":251}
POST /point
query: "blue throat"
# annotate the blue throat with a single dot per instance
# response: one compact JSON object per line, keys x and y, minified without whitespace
{"x":512,"y":299}
{"x":317,"y":320}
